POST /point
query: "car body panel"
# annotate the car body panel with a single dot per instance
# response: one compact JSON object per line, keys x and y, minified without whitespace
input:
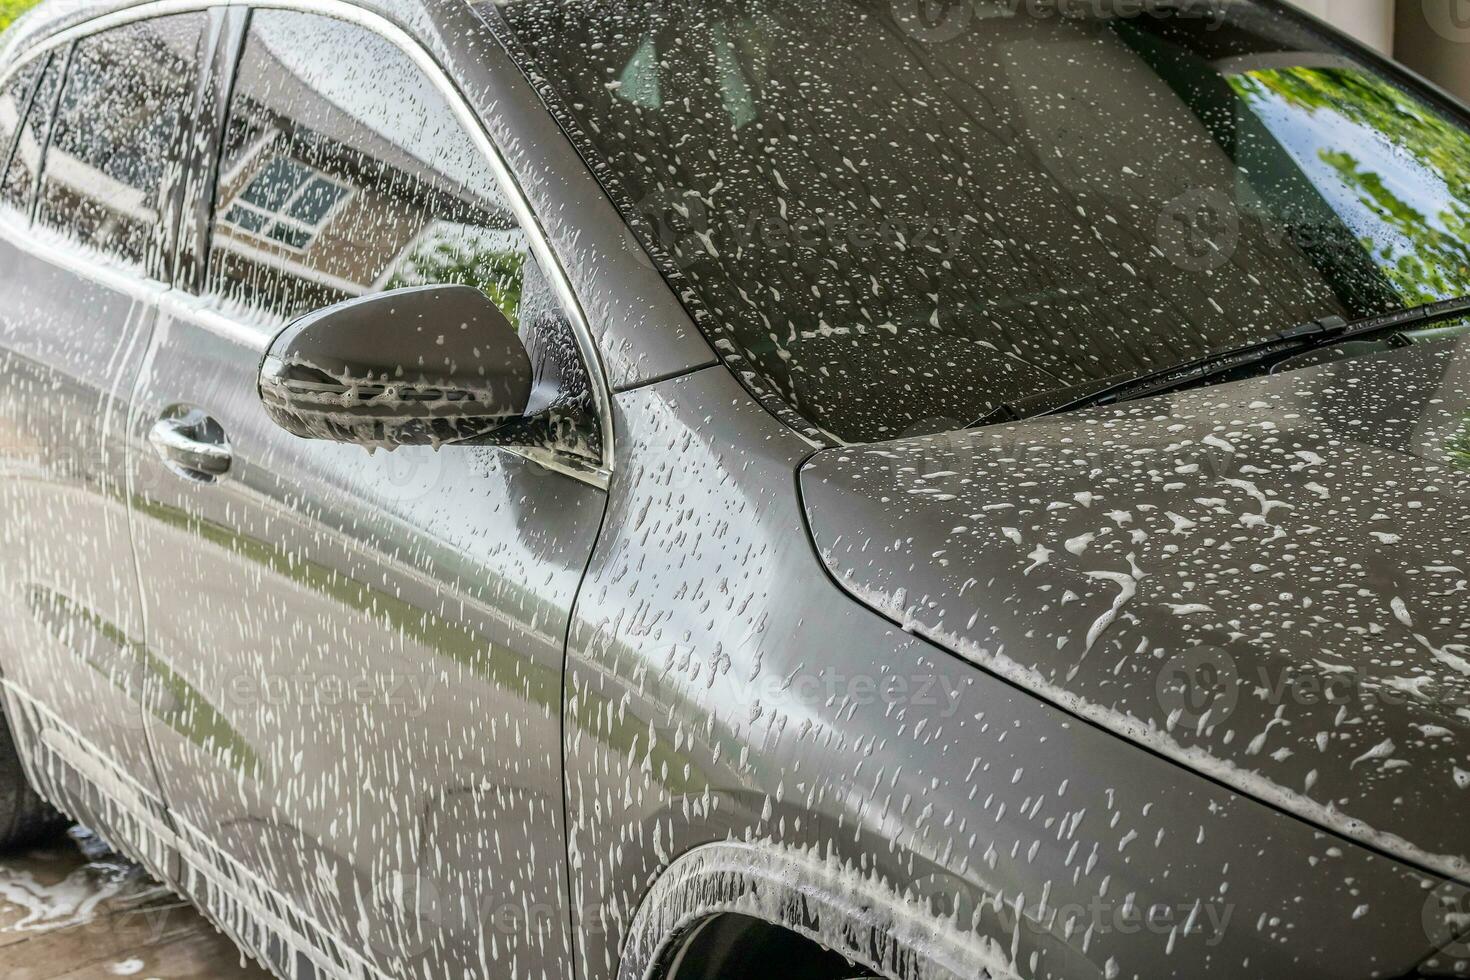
{"x":721,"y":687}
{"x":358,"y":685}
{"x":75,"y":332}
{"x":1264,"y":581}
{"x":69,"y":585}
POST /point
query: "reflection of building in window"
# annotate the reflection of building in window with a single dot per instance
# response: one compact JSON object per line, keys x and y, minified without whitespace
{"x":315,"y":215}
{"x":103,"y":181}
{"x":328,"y":194}
{"x":286,"y":202}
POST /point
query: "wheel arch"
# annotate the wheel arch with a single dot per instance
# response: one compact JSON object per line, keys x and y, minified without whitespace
{"x":820,"y":899}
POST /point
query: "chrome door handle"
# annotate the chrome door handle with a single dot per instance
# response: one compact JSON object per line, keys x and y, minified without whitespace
{"x":192,"y":444}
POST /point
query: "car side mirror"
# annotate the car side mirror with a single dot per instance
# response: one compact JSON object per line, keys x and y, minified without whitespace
{"x":411,"y":367}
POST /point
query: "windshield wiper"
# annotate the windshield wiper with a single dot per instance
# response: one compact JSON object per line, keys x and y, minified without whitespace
{"x":1280,"y":346}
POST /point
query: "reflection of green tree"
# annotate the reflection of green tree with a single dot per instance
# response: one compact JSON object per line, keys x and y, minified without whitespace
{"x":177,"y":703}
{"x":497,"y":274}
{"x":11,"y":9}
{"x":1437,"y":265}
{"x":1457,"y":446}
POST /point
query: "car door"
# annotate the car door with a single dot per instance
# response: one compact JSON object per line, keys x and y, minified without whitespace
{"x":356,"y":713}
{"x":87,"y":214}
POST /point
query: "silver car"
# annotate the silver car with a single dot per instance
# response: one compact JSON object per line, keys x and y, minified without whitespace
{"x":713,"y":489}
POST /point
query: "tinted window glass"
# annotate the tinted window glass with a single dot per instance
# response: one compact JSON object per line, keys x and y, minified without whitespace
{"x":345,"y":173}
{"x":894,"y":227}
{"x":14,"y":98}
{"x":25,"y":160}
{"x":113,"y":155}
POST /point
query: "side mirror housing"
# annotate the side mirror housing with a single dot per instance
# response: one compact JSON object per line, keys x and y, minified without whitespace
{"x":411,"y":367}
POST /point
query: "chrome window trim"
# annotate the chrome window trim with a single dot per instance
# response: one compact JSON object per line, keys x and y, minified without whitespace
{"x":551,"y":264}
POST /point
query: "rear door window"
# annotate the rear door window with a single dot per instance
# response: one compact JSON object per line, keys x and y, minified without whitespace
{"x":19,"y":185}
{"x":114,"y":157}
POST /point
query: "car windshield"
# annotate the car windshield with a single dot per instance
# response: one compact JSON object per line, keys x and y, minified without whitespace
{"x":891,"y":216}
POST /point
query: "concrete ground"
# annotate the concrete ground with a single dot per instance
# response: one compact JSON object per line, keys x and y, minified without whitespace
{"x":70,"y":909}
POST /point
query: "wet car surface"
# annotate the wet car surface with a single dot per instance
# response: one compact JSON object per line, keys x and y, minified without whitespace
{"x":728,"y":488}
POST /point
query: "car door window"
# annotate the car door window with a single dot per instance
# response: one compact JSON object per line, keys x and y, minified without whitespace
{"x":112,"y":159}
{"x":351,"y":175}
{"x":15,"y":97}
{"x":25,"y":160}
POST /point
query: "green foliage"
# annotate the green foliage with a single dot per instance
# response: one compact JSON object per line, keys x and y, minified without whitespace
{"x":1457,"y":446}
{"x":1436,"y":262}
{"x":11,"y":9}
{"x":497,"y":274}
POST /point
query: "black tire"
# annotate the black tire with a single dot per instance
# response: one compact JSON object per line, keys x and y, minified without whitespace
{"x":731,"y":946}
{"x":24,"y":817}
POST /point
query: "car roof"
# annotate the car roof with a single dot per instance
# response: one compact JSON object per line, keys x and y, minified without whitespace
{"x":51,"y":17}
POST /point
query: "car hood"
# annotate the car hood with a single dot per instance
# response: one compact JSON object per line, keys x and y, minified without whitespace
{"x":1264,"y":581}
